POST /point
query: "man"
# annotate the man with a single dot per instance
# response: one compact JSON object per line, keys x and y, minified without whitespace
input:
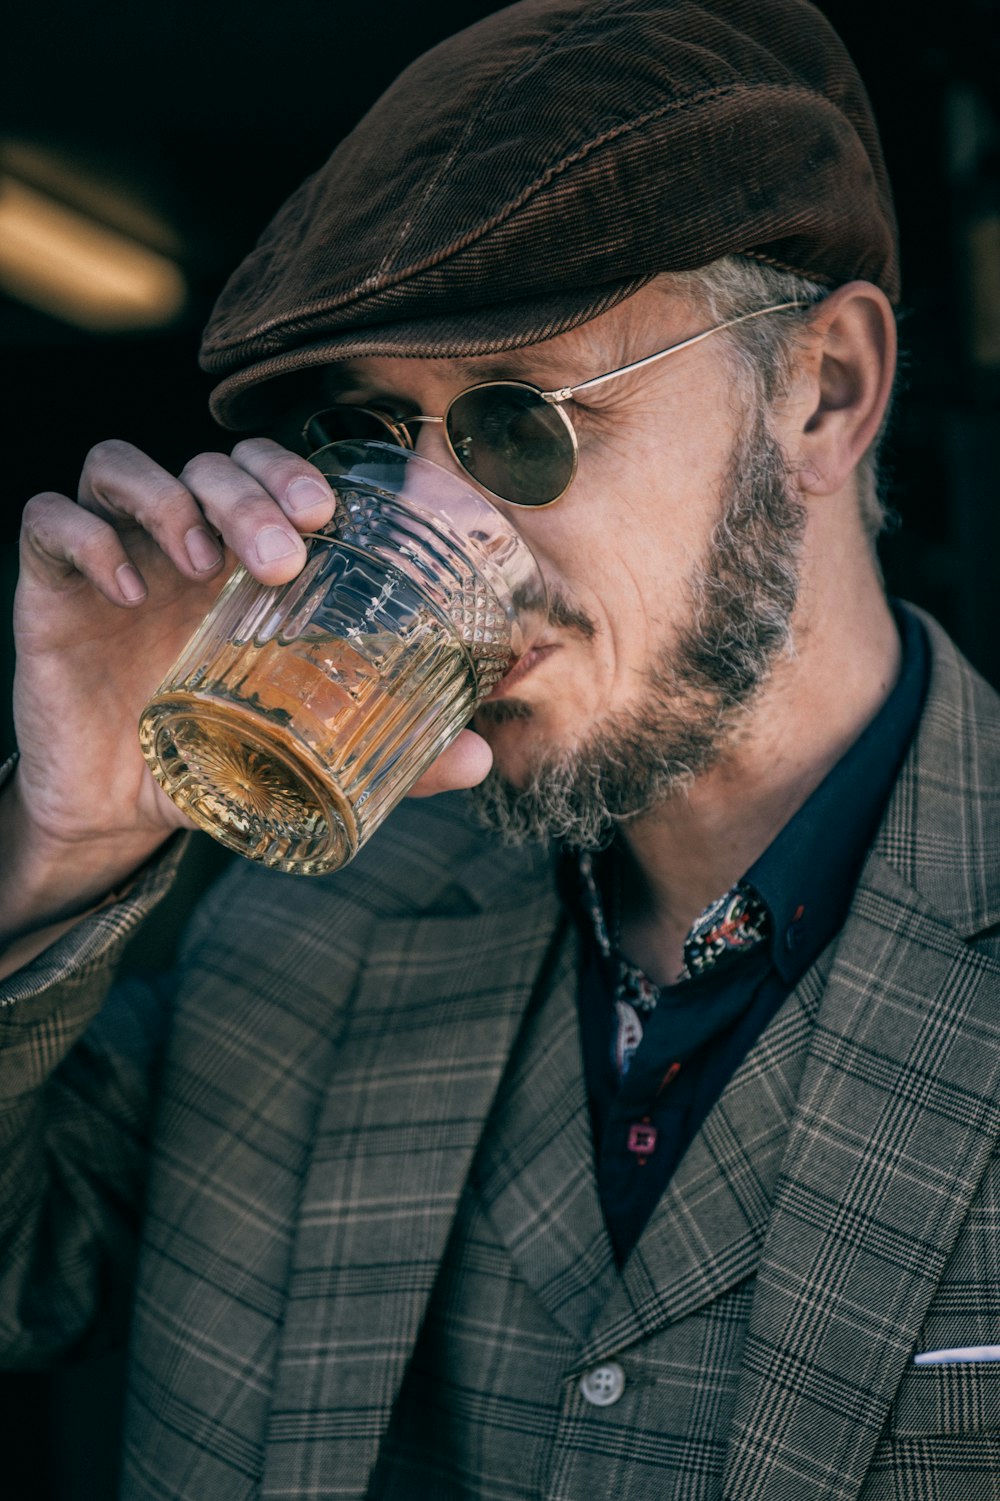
{"x":660,"y":1162}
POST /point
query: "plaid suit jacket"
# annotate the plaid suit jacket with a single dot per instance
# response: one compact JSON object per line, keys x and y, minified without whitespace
{"x":259,"y":1166}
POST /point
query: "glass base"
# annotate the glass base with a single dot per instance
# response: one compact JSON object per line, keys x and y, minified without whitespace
{"x":247,"y":784}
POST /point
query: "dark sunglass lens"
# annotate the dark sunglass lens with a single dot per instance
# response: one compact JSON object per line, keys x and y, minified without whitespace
{"x":515,"y":444}
{"x":346,"y":421}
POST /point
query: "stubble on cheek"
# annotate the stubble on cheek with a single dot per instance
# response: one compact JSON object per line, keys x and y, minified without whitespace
{"x":699,"y":687}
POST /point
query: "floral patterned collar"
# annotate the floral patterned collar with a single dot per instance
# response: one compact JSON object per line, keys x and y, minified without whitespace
{"x":728,"y":928}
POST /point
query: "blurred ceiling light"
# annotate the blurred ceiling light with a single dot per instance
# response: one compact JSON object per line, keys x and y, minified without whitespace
{"x":71,"y":266}
{"x":97,"y":184}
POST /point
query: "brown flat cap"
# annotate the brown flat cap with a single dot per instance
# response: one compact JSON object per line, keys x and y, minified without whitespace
{"x":540,"y":166}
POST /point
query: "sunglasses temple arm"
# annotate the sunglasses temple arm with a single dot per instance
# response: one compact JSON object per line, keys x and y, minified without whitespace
{"x":567,"y":392}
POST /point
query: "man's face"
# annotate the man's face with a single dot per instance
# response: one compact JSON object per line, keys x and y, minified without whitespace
{"x":669,"y":564}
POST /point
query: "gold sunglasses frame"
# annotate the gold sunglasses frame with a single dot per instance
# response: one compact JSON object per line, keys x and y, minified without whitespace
{"x":397,"y":425}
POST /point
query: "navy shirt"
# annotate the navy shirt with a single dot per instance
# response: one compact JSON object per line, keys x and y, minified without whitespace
{"x":701,"y":1028}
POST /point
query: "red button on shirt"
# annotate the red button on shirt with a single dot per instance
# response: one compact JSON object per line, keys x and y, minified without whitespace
{"x":641,"y":1138}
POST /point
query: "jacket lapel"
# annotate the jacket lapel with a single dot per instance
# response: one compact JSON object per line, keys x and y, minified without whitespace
{"x":535,"y":1178}
{"x":896,"y":1119}
{"x":706,"y":1233}
{"x":534,"y":1173}
{"x":421,"y":1055}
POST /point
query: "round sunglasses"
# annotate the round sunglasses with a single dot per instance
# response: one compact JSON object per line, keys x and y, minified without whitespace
{"x":516,"y":441}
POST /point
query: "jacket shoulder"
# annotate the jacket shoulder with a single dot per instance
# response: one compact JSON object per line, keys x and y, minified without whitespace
{"x":428,"y":860}
{"x":941,"y":831}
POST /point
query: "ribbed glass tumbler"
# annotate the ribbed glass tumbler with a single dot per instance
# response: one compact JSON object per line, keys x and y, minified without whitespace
{"x":298,"y":716}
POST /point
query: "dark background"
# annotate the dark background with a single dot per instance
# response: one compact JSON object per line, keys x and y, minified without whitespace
{"x":209,"y":114}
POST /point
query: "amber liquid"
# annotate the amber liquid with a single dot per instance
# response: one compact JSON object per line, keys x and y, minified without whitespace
{"x":291,"y":753}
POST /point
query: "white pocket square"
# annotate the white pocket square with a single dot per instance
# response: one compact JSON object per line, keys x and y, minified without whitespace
{"x":955,"y":1356}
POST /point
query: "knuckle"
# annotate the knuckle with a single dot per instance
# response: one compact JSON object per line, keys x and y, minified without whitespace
{"x":123,"y":485}
{"x":255,"y":449}
{"x":274,"y":467}
{"x":165,"y":502}
{"x":36,"y":511}
{"x":96,"y":549}
{"x":108,"y":453}
{"x":44,"y":518}
{"x":249,"y":511}
{"x":204,"y":466}
{"x":67,"y":538}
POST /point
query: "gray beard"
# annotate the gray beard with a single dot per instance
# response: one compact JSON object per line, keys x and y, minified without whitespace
{"x":741,"y":601}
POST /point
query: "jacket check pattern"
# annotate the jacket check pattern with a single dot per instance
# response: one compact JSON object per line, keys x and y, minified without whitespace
{"x":284,"y":1153}
{"x":531,"y":1207}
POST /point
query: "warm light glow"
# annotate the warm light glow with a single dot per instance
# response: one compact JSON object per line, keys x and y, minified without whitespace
{"x":74,"y":268}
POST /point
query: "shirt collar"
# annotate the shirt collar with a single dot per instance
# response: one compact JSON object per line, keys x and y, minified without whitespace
{"x":807,"y":875}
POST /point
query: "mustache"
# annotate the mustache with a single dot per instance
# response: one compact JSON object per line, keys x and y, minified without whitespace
{"x":561,"y":613}
{"x":558,"y":611}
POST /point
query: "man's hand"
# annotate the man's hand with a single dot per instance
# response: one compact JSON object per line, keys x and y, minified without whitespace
{"x":465,"y":763}
{"x":111,"y":587}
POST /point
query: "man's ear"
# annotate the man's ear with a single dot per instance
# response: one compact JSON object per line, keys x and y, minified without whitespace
{"x":842,"y":386}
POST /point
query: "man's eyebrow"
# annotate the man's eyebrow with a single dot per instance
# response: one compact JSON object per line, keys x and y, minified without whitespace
{"x":534,"y":365}
{"x":341,"y":380}
{"x":519,"y":363}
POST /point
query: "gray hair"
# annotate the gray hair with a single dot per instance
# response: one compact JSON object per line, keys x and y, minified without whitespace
{"x":762,"y":351}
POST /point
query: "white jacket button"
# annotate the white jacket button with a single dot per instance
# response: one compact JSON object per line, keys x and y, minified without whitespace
{"x":604,"y":1384}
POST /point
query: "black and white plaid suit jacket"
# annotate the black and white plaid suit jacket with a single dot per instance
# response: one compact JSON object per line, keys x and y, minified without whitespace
{"x":260,"y":1167}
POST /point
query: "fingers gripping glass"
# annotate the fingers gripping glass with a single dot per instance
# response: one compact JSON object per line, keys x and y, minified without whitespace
{"x":515,"y":440}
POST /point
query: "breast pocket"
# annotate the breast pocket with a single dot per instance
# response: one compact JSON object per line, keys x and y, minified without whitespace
{"x":959,"y":1398}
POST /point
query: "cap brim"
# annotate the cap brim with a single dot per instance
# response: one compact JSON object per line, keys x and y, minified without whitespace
{"x":257,"y":395}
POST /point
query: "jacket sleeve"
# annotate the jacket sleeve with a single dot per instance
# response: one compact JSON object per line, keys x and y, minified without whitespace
{"x":77,"y":1083}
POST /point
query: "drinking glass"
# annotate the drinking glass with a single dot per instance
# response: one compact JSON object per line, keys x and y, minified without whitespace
{"x":299,"y":715}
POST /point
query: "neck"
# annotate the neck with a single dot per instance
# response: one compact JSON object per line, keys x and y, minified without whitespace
{"x":692,"y":849}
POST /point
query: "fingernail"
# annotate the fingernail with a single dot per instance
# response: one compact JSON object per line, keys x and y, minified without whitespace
{"x":273,"y":543}
{"x":202,"y":549}
{"x":306,"y":494}
{"x":130,"y":583}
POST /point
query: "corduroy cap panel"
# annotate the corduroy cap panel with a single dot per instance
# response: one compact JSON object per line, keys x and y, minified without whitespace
{"x":535,"y":169}
{"x":256,"y":394}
